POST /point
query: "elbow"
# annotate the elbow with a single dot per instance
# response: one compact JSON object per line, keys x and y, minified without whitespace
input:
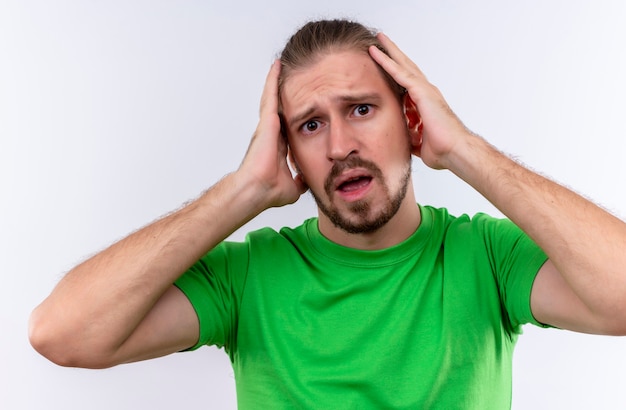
{"x":45,"y":337}
{"x":48,"y":337}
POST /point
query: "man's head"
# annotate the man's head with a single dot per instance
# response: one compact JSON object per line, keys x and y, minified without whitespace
{"x":345,"y":121}
{"x":318,"y":38}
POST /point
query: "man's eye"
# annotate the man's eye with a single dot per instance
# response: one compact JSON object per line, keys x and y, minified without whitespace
{"x":311,"y":126}
{"x":362,"y":110}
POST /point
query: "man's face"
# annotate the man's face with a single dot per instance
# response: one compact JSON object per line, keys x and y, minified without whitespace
{"x":348,"y":138}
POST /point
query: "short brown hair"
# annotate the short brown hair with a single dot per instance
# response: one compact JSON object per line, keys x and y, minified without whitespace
{"x":318,"y":38}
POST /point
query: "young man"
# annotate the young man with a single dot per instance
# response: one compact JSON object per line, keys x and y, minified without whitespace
{"x":377,"y":303}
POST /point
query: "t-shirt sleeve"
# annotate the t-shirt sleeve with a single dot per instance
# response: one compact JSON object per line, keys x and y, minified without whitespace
{"x":516,"y":260}
{"x":214,"y":285}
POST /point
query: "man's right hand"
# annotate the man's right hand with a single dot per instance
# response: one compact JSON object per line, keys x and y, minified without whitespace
{"x":266,"y":160}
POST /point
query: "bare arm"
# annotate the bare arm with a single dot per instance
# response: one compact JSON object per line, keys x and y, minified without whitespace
{"x":583,"y":285}
{"x":120,"y":305}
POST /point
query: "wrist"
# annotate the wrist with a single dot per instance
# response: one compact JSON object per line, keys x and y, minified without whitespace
{"x":245,"y":193}
{"x":473,"y":159}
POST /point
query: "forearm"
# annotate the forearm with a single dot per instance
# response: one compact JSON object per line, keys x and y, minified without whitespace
{"x":99,"y":304}
{"x":585,"y":243}
{"x":585,"y":275}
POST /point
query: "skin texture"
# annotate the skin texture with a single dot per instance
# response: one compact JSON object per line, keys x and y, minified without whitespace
{"x":583,"y":285}
{"x":120,"y":305}
{"x":344,"y":123}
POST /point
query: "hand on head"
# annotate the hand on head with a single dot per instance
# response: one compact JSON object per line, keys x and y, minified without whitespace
{"x":434,"y":129}
{"x":266,"y":159}
{"x":438,"y":129}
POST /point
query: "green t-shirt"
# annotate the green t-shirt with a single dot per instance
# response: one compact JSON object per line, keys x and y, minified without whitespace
{"x":428,"y":323}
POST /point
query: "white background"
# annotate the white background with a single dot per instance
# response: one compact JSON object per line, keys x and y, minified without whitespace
{"x":114,"y":113}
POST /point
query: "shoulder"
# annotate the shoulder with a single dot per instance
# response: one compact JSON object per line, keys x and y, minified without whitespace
{"x":467,"y":233}
{"x":269,"y":239}
{"x":440,"y":220}
{"x":480,"y":222}
{"x":286,"y":233}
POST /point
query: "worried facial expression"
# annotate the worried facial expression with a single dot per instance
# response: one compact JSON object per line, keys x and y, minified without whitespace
{"x":348,"y":139}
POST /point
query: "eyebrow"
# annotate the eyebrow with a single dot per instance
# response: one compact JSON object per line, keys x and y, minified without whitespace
{"x":343,"y":98}
{"x":300,"y":117}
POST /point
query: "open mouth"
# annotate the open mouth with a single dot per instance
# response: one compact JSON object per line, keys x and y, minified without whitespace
{"x":352,"y":179}
{"x":354,"y":184}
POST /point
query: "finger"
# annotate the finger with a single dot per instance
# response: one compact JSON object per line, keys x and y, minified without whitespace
{"x":396,"y":54}
{"x":269,"y":97}
{"x":383,"y":60}
{"x":397,"y":64}
{"x":392,"y":49}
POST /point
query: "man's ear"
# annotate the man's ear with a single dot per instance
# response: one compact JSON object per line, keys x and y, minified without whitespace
{"x":293,"y":164}
{"x":413,"y":120}
{"x":292,"y":161}
{"x":295,"y":169}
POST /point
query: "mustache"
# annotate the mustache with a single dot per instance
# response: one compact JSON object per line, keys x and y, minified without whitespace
{"x":351,"y":162}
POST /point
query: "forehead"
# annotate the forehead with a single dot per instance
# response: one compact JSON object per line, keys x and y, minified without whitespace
{"x":333,"y":77}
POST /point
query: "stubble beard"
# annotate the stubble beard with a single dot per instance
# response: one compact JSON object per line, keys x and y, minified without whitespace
{"x":359,"y":218}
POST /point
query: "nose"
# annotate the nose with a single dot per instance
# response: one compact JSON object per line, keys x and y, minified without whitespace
{"x":341,"y":141}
